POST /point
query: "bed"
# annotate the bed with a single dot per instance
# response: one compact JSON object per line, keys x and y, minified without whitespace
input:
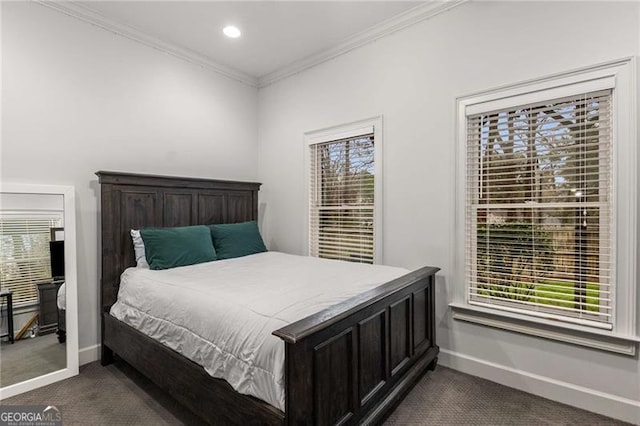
{"x":61,"y":302}
{"x":349,"y":363}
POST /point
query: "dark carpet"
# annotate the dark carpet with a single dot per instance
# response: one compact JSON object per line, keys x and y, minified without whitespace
{"x":29,"y":358}
{"x":118,"y":395}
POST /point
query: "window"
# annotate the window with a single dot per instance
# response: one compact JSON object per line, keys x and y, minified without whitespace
{"x":548,"y":189}
{"x":539,"y":208}
{"x":343,"y":194}
{"x":24,"y":255}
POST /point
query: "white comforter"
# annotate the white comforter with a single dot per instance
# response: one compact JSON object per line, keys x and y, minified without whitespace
{"x":221,"y":314}
{"x":62,"y":297}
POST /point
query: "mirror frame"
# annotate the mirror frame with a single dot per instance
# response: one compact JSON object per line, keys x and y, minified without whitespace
{"x":71,"y":280}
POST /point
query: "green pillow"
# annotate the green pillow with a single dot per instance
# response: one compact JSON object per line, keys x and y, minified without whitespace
{"x":172,"y":247}
{"x":237,"y":239}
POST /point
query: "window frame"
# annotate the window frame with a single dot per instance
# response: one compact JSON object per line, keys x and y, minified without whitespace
{"x":619,"y":75}
{"x":335,"y":133}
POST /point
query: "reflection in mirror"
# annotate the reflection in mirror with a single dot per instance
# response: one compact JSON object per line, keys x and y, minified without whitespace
{"x":32,"y":286}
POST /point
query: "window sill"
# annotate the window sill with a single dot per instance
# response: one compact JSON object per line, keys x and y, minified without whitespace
{"x":569,"y":333}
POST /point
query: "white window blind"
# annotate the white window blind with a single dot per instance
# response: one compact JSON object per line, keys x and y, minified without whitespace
{"x":24,"y":255}
{"x":341,"y":197}
{"x":539,"y":209}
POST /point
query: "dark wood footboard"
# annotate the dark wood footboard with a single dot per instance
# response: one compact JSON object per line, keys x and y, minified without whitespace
{"x":353,"y":362}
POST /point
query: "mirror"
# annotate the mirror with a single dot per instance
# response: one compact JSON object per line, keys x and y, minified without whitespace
{"x":38,"y":293}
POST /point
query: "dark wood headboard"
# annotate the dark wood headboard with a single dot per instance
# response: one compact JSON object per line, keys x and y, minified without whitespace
{"x":134,"y":201}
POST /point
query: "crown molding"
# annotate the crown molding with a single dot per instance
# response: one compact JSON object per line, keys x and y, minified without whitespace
{"x":411,"y":17}
{"x":383,"y":29}
{"x":89,"y":15}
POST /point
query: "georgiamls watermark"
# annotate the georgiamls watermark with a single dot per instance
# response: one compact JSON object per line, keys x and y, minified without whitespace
{"x":30,"y":415}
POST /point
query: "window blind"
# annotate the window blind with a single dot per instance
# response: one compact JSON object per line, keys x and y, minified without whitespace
{"x":24,"y":255}
{"x":341,"y":222}
{"x":539,"y":209}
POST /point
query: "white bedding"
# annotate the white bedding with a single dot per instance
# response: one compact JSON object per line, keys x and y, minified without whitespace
{"x":221,"y":314}
{"x":62,"y":297}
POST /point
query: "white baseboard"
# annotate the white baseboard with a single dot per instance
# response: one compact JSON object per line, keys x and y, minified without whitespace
{"x":620,"y":408}
{"x":89,"y":354}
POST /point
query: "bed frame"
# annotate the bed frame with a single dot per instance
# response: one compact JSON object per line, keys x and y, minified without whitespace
{"x":349,"y":364}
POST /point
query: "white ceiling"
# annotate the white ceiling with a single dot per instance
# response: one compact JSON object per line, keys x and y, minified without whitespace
{"x":275,"y":34}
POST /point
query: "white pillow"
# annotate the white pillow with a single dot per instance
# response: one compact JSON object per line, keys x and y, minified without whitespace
{"x":138,"y":247}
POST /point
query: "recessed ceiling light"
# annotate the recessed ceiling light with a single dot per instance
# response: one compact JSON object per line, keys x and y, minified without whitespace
{"x":231,"y":31}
